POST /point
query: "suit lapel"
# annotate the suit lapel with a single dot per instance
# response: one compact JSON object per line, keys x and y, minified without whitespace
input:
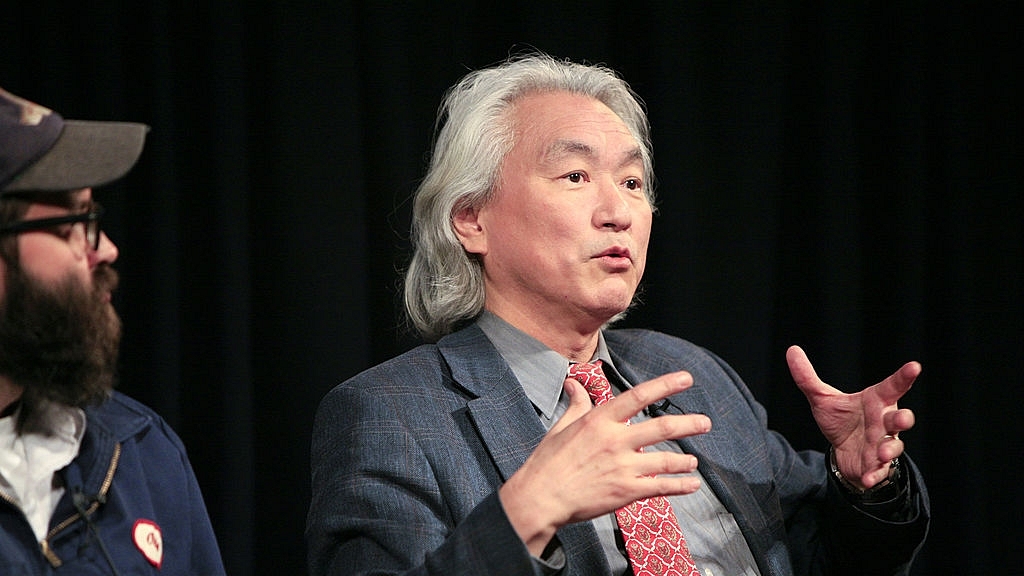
{"x":509,"y":428}
{"x":499,"y":409}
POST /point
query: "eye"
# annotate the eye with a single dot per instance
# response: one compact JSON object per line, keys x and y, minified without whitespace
{"x":575,"y":177}
{"x":632,"y":184}
{"x":64,"y":231}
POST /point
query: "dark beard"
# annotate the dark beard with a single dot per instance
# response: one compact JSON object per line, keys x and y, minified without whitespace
{"x":60,"y":344}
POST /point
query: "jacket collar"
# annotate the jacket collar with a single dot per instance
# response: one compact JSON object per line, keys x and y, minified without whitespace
{"x":108,"y":425}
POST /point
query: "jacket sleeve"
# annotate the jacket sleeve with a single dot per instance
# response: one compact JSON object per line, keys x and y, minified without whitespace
{"x":172,"y":492}
{"x":206,"y":558}
{"x":860,"y":540}
{"x":378,"y":504}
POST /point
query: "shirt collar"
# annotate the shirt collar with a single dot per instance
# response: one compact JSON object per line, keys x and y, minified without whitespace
{"x":540,"y":370}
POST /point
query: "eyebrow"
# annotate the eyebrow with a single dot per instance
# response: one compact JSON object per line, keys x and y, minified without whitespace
{"x":561,"y":149}
{"x":83,"y":206}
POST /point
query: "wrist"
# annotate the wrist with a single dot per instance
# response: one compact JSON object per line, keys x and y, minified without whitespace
{"x":535,"y":532}
{"x":877,"y":492}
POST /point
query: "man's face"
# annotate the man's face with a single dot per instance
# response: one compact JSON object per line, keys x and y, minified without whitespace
{"x":59,"y":333}
{"x":50,"y":256}
{"x":564,"y":238}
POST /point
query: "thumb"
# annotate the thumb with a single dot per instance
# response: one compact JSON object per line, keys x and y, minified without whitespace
{"x":579,"y":404}
{"x":803,"y":373}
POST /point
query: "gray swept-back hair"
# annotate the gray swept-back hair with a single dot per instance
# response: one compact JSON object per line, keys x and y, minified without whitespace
{"x":444,"y":285}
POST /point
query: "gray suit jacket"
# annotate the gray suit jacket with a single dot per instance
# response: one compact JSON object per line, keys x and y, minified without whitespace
{"x":407,"y":458}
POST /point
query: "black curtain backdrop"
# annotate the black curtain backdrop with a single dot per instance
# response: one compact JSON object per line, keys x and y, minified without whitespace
{"x":846,"y":177}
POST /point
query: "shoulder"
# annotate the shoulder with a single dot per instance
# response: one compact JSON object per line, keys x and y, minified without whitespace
{"x":424,"y":361}
{"x":420,"y":384}
{"x":655,"y":353}
{"x":403,"y":380}
{"x":463,"y":356}
{"x":121,"y":414}
{"x":651,"y":346}
{"x":125,"y":418}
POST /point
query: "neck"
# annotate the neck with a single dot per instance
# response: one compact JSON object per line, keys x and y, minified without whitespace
{"x":574,"y":341}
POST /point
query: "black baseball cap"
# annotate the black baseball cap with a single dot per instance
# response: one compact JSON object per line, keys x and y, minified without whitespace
{"x":40,"y":151}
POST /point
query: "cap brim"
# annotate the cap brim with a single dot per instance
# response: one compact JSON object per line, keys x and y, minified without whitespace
{"x":87,"y":154}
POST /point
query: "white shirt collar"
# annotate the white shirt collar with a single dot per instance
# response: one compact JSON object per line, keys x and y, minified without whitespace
{"x":29,"y":462}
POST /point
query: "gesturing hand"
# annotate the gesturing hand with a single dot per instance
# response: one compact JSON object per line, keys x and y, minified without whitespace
{"x":589,"y":463}
{"x":863,"y":427}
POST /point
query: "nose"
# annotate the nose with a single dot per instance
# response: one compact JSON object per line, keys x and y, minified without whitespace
{"x":612,"y":206}
{"x":107,"y":251}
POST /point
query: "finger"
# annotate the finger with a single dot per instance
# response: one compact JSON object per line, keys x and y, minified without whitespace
{"x":579,"y":404}
{"x":667,"y":427}
{"x":672,"y":478}
{"x":890,"y":449}
{"x":631,"y":402}
{"x":898,"y":421}
{"x":895,"y":386}
{"x":669,"y":486}
{"x":873,"y":478}
{"x":656,"y":474}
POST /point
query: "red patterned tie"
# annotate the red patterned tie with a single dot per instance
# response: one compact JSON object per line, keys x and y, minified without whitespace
{"x":654,"y":541}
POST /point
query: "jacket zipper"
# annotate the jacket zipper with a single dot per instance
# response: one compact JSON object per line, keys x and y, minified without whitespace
{"x":48,"y":552}
{"x":9,"y":499}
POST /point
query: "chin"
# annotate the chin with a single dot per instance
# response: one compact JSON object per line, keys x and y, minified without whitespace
{"x":612,"y":311}
{"x":616,"y":310}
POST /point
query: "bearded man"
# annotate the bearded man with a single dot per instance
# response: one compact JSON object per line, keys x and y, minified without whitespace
{"x":91,"y":481}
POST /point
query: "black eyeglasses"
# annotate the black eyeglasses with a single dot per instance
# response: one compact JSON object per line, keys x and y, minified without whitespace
{"x":90,"y":222}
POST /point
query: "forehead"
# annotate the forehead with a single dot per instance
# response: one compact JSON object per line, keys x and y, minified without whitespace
{"x":552,"y":125}
{"x":81,"y":199}
{"x":59,"y":204}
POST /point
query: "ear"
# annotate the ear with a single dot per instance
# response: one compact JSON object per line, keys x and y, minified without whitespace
{"x":470,"y":230}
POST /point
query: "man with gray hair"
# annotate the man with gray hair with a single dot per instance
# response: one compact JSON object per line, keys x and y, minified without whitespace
{"x":530,"y":437}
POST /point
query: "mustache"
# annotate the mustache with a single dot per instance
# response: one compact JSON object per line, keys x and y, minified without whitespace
{"x":105,"y":279}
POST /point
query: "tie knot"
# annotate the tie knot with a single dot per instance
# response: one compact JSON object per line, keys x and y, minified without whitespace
{"x":592,"y":377}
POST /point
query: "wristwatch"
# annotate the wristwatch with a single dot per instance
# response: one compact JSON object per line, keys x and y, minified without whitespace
{"x":884,"y":490}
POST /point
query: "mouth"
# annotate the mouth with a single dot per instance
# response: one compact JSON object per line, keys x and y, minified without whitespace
{"x":615,"y":253}
{"x":105,"y":280}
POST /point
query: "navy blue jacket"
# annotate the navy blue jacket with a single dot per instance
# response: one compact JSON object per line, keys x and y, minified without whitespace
{"x":131,"y":467}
